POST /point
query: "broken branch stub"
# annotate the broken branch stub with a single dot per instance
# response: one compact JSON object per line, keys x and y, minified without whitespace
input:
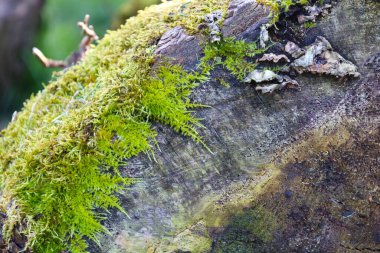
{"x":89,"y":36}
{"x":88,"y":29}
{"x":48,"y":63}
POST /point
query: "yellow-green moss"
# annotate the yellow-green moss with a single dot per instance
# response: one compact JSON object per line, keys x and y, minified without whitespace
{"x":232,"y":55}
{"x":309,"y":24}
{"x":130,"y":9}
{"x":280,"y":6}
{"x":59,"y":159}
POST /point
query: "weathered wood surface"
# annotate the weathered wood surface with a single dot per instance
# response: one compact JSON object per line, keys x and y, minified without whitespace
{"x":297,"y":171}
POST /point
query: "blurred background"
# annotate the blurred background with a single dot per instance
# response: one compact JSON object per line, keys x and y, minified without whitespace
{"x":50,"y":25}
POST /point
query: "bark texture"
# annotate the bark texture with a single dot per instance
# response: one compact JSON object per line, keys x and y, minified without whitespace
{"x":296,"y":171}
{"x":290,"y":171}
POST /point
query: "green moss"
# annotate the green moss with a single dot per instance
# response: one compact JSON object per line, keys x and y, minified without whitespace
{"x":232,"y":55}
{"x":59,"y":159}
{"x":280,"y":6}
{"x":309,"y":24}
{"x":130,"y":9}
{"x":60,"y":172}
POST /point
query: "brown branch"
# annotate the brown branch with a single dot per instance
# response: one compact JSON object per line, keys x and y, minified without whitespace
{"x":88,"y":29}
{"x":89,"y":32}
{"x":48,"y":63}
{"x":89,"y":37}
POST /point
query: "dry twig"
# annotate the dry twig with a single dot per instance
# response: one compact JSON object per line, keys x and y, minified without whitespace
{"x":89,"y":37}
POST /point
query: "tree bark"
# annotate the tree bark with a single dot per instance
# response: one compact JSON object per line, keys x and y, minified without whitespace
{"x":291,"y":171}
{"x":297,"y":171}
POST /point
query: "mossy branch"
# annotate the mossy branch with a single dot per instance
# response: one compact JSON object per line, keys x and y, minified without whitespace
{"x":59,"y":159}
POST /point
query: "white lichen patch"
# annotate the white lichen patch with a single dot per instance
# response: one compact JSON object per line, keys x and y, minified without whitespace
{"x":313,"y":12}
{"x":294,"y":50}
{"x":284,"y":81}
{"x":259,"y":76}
{"x":273,"y":58}
{"x":270,"y":88}
{"x":320,"y":58}
{"x":212,"y":21}
{"x":264,"y":35}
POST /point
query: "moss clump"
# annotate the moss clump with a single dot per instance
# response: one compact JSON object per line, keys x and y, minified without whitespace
{"x":309,"y":24}
{"x":231,"y":54}
{"x":130,"y":9}
{"x":59,"y":160}
{"x":280,"y":6}
{"x":55,"y":175}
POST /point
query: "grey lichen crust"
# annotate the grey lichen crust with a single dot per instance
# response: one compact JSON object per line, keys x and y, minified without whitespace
{"x":320,"y":58}
{"x":264,"y":35}
{"x":313,"y":12}
{"x":294,"y":50}
{"x":317,"y":58}
{"x":274,"y":58}
{"x":212,"y":21}
{"x":260,"y":76}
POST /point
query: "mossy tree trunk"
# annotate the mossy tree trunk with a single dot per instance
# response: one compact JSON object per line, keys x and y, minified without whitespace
{"x":289,"y":172}
{"x":296,"y":170}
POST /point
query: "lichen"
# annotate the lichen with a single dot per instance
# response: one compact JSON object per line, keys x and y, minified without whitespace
{"x":294,"y":50}
{"x":313,"y":12}
{"x":260,"y":76}
{"x":320,"y":58}
{"x":273,"y":58}
{"x":196,"y":238}
{"x":266,"y":75}
{"x":213,"y":20}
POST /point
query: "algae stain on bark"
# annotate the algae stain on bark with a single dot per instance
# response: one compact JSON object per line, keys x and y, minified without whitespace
{"x":224,"y":215}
